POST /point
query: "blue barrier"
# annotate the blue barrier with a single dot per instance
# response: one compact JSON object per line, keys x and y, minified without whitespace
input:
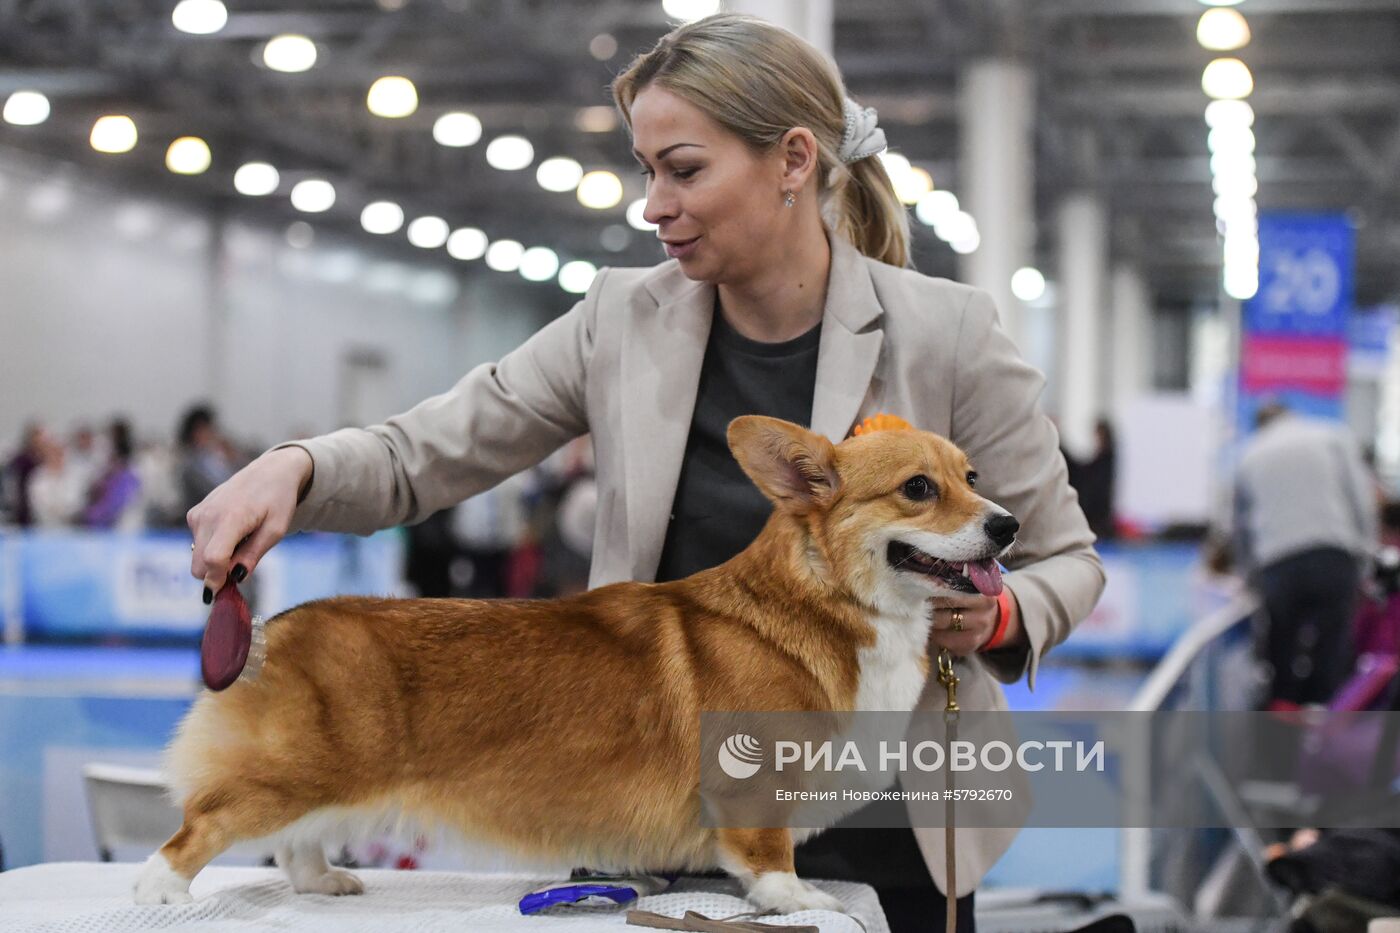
{"x":1154,"y":593}
{"x":76,"y":584}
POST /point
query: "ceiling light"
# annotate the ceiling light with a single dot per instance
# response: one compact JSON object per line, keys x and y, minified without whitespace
{"x":967,"y":244}
{"x":933,"y":207}
{"x":595,"y":119}
{"x":538,"y":264}
{"x":113,"y":133}
{"x":1241,"y":283}
{"x":199,"y":17}
{"x":599,"y":190}
{"x":510,"y":153}
{"x":381,"y":217}
{"x":313,"y":195}
{"x":1227,"y":79}
{"x":256,"y":179}
{"x":615,"y":238}
{"x":289,"y":53}
{"x":635,"y":215}
{"x":958,"y":225}
{"x":559,"y":174}
{"x":392,"y":96}
{"x":504,"y":255}
{"x":1222,"y":30}
{"x":689,"y":10}
{"x":1242,"y":186}
{"x":466,"y":244}
{"x":576,"y":276}
{"x":457,"y":129}
{"x":300,"y":234}
{"x":1028,"y":284}
{"x":428,"y":232}
{"x":26,"y":108}
{"x":917,"y":183}
{"x":1227,"y":207}
{"x":188,"y":155}
{"x":603,"y":46}
{"x":894,"y":163}
{"x":1229,"y":113}
{"x":1231,"y":162}
{"x":1232,"y":139}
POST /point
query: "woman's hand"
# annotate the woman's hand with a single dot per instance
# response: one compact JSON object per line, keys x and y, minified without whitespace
{"x":244,"y":517}
{"x":979,"y":616}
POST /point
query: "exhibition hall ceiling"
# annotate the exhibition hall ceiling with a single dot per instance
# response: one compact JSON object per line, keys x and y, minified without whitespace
{"x":1119,"y":110}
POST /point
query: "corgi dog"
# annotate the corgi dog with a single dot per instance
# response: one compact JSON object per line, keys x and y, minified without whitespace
{"x":569,"y":729}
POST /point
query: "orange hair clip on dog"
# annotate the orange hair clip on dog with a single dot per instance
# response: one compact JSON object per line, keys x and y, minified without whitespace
{"x":882,"y":422}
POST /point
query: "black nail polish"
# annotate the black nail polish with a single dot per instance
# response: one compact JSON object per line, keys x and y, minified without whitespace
{"x":208,"y":596}
{"x":239,"y":572}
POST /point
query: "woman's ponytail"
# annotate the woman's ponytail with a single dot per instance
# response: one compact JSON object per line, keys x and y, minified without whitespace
{"x":865,"y":210}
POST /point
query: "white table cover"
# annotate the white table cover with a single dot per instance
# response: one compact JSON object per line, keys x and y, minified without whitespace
{"x":93,"y":897}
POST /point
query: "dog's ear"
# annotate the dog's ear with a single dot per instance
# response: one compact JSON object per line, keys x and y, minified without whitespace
{"x":790,"y":465}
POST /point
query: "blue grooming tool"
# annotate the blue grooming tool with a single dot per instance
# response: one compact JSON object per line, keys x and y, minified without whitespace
{"x":619,"y":889}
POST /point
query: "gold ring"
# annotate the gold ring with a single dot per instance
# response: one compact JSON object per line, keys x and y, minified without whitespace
{"x":957,"y":620}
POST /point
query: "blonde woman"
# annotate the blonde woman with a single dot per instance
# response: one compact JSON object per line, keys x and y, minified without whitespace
{"x":786,"y":293}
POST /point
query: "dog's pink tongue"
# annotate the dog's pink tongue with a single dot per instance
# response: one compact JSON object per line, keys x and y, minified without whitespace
{"x":986,"y":576}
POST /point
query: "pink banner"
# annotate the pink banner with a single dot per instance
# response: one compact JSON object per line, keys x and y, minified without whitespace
{"x":1308,"y":364}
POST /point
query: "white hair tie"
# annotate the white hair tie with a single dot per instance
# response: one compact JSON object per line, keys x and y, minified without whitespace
{"x":863,"y":138}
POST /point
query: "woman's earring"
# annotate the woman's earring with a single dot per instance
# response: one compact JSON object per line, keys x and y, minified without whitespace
{"x":789,"y":199}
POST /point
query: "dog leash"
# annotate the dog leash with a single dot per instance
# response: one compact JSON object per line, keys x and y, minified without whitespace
{"x":738,"y":923}
{"x":949,"y":679}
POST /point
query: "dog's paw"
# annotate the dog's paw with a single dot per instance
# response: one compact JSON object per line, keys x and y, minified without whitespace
{"x":336,"y":881}
{"x":787,"y":894}
{"x":159,"y":884}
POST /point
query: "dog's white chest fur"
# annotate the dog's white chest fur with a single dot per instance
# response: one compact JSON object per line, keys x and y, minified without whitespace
{"x":891,"y":675}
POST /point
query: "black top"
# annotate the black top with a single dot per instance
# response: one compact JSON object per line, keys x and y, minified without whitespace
{"x":718,"y":510}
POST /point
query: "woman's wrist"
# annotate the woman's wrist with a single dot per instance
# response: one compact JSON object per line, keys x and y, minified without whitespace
{"x":298,"y":462}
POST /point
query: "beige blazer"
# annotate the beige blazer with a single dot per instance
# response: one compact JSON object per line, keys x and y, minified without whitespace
{"x":624,"y":365}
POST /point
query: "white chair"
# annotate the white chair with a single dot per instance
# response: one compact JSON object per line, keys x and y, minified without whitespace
{"x":129,"y":807}
{"x":131,"y":811}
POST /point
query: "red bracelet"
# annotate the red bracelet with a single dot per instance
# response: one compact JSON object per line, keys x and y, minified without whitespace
{"x":1003,"y":619}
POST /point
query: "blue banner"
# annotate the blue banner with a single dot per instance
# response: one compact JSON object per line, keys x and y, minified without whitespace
{"x":1306,"y":264}
{"x":84,"y":584}
{"x":1293,"y":331}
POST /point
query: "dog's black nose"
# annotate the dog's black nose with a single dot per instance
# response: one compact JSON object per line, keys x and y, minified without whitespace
{"x":1002,"y":529}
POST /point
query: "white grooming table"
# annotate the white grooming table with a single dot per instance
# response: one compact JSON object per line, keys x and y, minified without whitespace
{"x":95,"y":897}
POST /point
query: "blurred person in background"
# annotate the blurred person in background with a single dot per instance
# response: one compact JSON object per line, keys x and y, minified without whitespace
{"x":19,"y":470}
{"x":1099,"y":481}
{"x":1095,"y":480}
{"x":86,"y":453}
{"x":1305,"y":524}
{"x":157,"y":466}
{"x":57,"y":489}
{"x":429,"y":551}
{"x":574,"y":524}
{"x":490,"y":529}
{"x":205,"y":459}
{"x":789,"y":252}
{"x":114,"y":500}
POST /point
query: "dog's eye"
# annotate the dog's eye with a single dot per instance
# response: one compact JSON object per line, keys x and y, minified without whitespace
{"x":972,"y":478}
{"x":919,"y":488}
